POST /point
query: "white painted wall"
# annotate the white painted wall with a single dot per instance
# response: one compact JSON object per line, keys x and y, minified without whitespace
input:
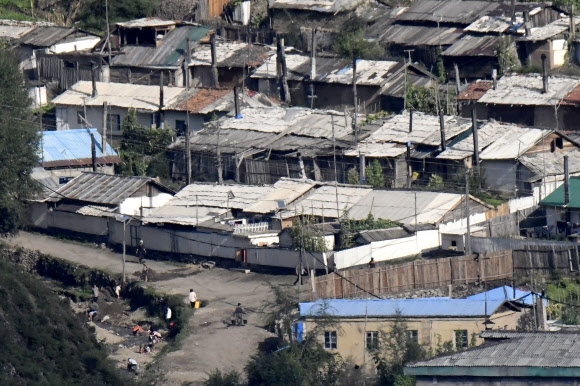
{"x":448,"y":239}
{"x":81,"y":44}
{"x":132,"y":205}
{"x":461,"y":224}
{"x":38,"y":96}
{"x":66,"y":117}
{"x":195,"y":121}
{"x":559,"y":50}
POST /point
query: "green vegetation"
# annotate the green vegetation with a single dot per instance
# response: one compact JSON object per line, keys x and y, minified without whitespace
{"x":143,"y":149}
{"x":565,"y":290}
{"x":350,"y":228}
{"x":44,"y":343}
{"x":305,"y":232}
{"x":18,"y":145}
{"x":92,"y":14}
{"x":374,"y":174}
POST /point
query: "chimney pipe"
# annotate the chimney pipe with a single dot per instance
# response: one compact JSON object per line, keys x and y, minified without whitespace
{"x":409,"y":166}
{"x":237,"y":103}
{"x":301,"y":164}
{"x":160,"y":121}
{"x":94,"y":80}
{"x":494,"y":77}
{"x":513,"y":12}
{"x":93,"y":152}
{"x":362,"y":169}
{"x":475,"y":137}
{"x":527,"y":22}
{"x":410,"y":121}
{"x":442,"y":127}
{"x":544,"y":74}
{"x":214,"y":72}
{"x":566,"y":181}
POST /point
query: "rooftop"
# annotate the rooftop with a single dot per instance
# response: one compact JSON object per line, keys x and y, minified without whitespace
{"x":208,"y":100}
{"x":414,"y":35}
{"x":285,"y":190}
{"x":549,"y":30}
{"x":231,"y":54}
{"x":518,"y":89}
{"x":328,"y":6}
{"x":540,"y":354}
{"x":475,"y":90}
{"x":474,"y":45}
{"x":147,"y":22}
{"x":550,"y":164}
{"x":556,"y":198}
{"x":448,"y":11}
{"x":46,"y":36}
{"x":73,"y":148}
{"x":99,"y":188}
{"x":124,"y":95}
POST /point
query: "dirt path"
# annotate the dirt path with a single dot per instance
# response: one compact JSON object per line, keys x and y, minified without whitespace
{"x":212,"y":343}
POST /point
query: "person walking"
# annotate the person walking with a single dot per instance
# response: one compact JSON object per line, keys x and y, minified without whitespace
{"x":118,"y":291}
{"x":141,"y":252}
{"x":372,"y":263}
{"x":239,"y":315}
{"x":300,"y":272}
{"x":192,"y":298}
{"x":144,"y":272}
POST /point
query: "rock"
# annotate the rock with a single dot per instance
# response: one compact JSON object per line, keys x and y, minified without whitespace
{"x":105,"y":318}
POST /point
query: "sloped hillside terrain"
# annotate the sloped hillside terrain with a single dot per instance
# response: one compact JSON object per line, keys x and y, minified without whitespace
{"x":43,"y":342}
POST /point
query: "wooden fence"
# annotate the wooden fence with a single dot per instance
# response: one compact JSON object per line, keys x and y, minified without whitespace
{"x":420,"y":274}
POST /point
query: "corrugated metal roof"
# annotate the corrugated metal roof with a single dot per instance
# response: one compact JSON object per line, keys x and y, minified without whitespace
{"x":556,"y":198}
{"x":493,"y":24}
{"x":316,"y":5}
{"x":206,"y":100}
{"x":140,"y":97}
{"x":407,"y":207}
{"x":413,"y":35}
{"x":74,"y":146}
{"x":551,"y":164}
{"x":367,"y":237}
{"x":14,"y":32}
{"x":323,"y":202}
{"x":550,"y":30}
{"x":505,"y":292}
{"x":376,"y":150}
{"x":183,"y":215}
{"x":102,"y":188}
{"x":48,"y":182}
{"x":409,"y":308}
{"x":531,"y":350}
{"x":216,"y":196}
{"x":475,"y":90}
{"x":231,"y":54}
{"x":471,"y":45}
{"x":147,"y":22}
{"x":286,"y":190}
{"x":169,"y":53}
{"x":387,"y":17}
{"x":512,"y":141}
{"x":519,"y":89}
{"x":448,"y":11}
{"x":48,"y":36}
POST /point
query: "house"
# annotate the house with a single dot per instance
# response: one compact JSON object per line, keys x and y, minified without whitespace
{"x":380,"y":83}
{"x":506,"y":358}
{"x":563,"y":210}
{"x":533,"y":100}
{"x":146,"y":49}
{"x":45,"y":39}
{"x":234,"y":62}
{"x":424,"y":135}
{"x":430,"y":321}
{"x":84,"y":105}
{"x":67,"y":154}
{"x":468,"y":97}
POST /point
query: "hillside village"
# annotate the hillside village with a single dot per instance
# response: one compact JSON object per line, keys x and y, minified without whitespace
{"x":414,"y":164}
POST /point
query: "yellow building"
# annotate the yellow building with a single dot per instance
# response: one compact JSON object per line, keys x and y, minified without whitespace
{"x":357,"y":323}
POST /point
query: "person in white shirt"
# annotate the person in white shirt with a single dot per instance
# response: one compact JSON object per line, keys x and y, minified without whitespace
{"x":132,"y":365}
{"x":192,"y":298}
{"x":168,"y":314}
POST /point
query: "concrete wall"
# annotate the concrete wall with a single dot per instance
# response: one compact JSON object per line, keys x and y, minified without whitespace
{"x":67,"y":117}
{"x":92,"y":225}
{"x":132,"y":205}
{"x":195,"y":121}
{"x":351,"y":339}
{"x":38,"y":96}
{"x":494,"y":381}
{"x":85,"y":43}
{"x":500,"y":175}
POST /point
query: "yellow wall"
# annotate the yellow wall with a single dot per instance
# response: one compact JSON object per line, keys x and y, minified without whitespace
{"x":351,"y":332}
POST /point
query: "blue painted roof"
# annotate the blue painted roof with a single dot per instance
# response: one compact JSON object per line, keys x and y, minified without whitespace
{"x":420,"y":307}
{"x":505,"y":293}
{"x":71,"y":145}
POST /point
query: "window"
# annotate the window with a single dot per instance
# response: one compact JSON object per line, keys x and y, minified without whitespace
{"x":180,"y":127}
{"x":64,"y":180}
{"x":81,"y":117}
{"x":453,"y":243}
{"x":372,"y":340}
{"x":413,"y":335}
{"x":461,"y":339}
{"x":114,"y":122}
{"x":330,"y":339}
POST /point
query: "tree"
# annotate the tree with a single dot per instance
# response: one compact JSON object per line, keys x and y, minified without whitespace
{"x":176,"y":9}
{"x":217,"y":378}
{"x":92,"y":16}
{"x":306,"y":233}
{"x":19,"y":144}
{"x":374,"y":174}
{"x":351,"y":43}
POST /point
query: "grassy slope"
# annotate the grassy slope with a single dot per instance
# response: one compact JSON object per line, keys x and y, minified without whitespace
{"x":44,"y":343}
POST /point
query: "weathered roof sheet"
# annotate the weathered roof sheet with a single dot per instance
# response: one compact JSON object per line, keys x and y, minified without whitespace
{"x":327,"y":201}
{"x":493,"y":24}
{"x":140,"y":97}
{"x":402,"y":205}
{"x":219,"y":196}
{"x":146,"y":22}
{"x":505,"y":292}
{"x":448,"y":11}
{"x":169,"y":53}
{"x":43,"y":36}
{"x":102,"y":188}
{"x":286,"y":190}
{"x":14,"y":31}
{"x":512,"y":141}
{"x":518,"y":89}
{"x":475,"y":90}
{"x":182,"y":214}
{"x":376,"y":150}
{"x":556,"y":198}
{"x":328,"y":6}
{"x":550,"y":30}
{"x":413,"y":35}
{"x":472,"y":45}
{"x":207,"y":100}
{"x":371,"y":236}
{"x":535,"y":353}
{"x":48,"y":182}
{"x":551,"y":164}
{"x":73,"y":147}
{"x":231,"y":54}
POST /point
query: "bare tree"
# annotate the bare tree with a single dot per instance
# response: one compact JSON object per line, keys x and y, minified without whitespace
{"x":177,"y":9}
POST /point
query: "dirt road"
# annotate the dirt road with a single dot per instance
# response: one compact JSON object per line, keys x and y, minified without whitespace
{"x":211,"y":344}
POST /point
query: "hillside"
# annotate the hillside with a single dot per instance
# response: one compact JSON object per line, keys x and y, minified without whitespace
{"x":44,"y":343}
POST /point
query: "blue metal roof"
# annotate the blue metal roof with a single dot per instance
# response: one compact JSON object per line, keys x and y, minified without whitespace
{"x":71,"y":145}
{"x":505,"y":293}
{"x":420,"y":307}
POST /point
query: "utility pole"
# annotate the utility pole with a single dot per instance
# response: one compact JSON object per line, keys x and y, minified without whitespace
{"x":219,"y":157}
{"x":214,"y":71}
{"x":335,"y":173}
{"x":104,"y":139}
{"x":93,"y":152}
{"x":468,"y":230}
{"x":409,"y":167}
{"x":285,"y":91}
{"x":406,"y":76}
{"x":355,"y":117}
{"x":312,"y":68}
{"x":187,"y":139}
{"x":108,"y":30}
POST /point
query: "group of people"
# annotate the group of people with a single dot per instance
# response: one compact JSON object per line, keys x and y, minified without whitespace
{"x":94,"y":304}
